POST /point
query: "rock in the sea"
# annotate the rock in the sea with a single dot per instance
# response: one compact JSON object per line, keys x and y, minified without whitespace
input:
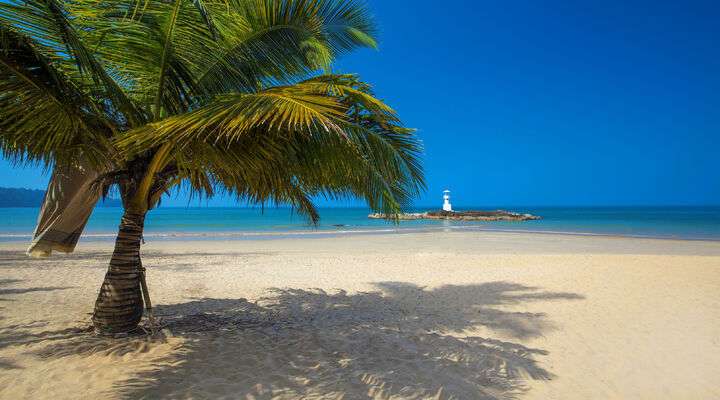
{"x":499,"y":215}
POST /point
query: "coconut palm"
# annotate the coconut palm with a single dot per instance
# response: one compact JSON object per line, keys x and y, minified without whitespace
{"x":232,"y":96}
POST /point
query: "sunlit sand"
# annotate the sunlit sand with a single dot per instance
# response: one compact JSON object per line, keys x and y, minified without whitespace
{"x":463,"y":315}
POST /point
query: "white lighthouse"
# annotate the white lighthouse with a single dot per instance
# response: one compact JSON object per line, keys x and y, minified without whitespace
{"x":446,"y":201}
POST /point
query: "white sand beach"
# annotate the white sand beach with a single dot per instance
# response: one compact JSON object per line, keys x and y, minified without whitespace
{"x":443,"y":315}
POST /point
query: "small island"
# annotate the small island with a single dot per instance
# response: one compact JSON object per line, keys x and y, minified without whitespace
{"x":498,"y":215}
{"x":449,"y":214}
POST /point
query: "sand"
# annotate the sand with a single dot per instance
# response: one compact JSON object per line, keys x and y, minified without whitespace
{"x":444,"y":315}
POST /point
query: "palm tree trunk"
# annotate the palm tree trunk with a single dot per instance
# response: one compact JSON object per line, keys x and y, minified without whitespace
{"x":119,"y":306}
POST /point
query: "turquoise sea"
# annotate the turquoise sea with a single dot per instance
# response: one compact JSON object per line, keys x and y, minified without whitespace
{"x":696,"y":223}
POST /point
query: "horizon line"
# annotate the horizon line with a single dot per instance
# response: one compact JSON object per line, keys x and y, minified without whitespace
{"x":249,"y":207}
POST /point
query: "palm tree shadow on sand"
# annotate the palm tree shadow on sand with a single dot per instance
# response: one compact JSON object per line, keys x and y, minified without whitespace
{"x":401,"y":341}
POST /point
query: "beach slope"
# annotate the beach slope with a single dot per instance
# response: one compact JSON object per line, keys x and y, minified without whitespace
{"x":465,"y":315}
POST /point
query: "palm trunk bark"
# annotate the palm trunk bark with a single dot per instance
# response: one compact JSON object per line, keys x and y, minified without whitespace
{"x":119,"y":306}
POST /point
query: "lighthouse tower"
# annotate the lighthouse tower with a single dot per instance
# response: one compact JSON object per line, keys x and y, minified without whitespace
{"x":446,"y":201}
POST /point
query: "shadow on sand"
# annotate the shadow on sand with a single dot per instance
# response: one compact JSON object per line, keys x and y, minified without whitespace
{"x":159,"y":260}
{"x":4,"y":291}
{"x":401,"y":341}
{"x":20,"y":334}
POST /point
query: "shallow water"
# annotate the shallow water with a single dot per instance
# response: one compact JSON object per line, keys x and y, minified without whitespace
{"x":700,"y":223}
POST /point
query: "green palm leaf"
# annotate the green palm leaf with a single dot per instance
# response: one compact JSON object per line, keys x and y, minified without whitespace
{"x":328,"y":133}
{"x":47,"y":23}
{"x":230,"y":88}
{"x":212,"y":95}
{"x":44,"y":116}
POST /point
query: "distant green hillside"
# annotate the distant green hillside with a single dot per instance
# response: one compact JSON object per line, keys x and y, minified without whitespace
{"x":16,"y":197}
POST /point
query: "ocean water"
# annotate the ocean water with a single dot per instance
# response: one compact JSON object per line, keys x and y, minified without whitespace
{"x":695,"y":223}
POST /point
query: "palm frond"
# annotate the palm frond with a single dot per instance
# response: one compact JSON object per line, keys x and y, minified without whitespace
{"x":288,"y":110}
{"x":276,"y":41}
{"x":327,"y":136}
{"x":44,"y":116}
{"x":217,"y":95}
{"x":203,"y":10}
{"x":50,"y":25}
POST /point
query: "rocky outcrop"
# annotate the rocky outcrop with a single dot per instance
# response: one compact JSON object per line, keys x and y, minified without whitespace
{"x":499,"y":215}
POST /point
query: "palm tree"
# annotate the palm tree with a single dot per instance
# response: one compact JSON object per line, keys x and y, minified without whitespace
{"x":233,"y":96}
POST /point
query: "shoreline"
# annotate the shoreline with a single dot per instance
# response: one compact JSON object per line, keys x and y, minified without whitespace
{"x":360,"y":231}
{"x":475,"y":242}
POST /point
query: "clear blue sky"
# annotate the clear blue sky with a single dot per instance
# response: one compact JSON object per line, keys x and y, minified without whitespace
{"x":548,"y":102}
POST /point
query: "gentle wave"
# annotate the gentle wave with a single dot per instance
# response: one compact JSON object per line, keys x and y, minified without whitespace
{"x":696,"y":223}
{"x":254,"y":235}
